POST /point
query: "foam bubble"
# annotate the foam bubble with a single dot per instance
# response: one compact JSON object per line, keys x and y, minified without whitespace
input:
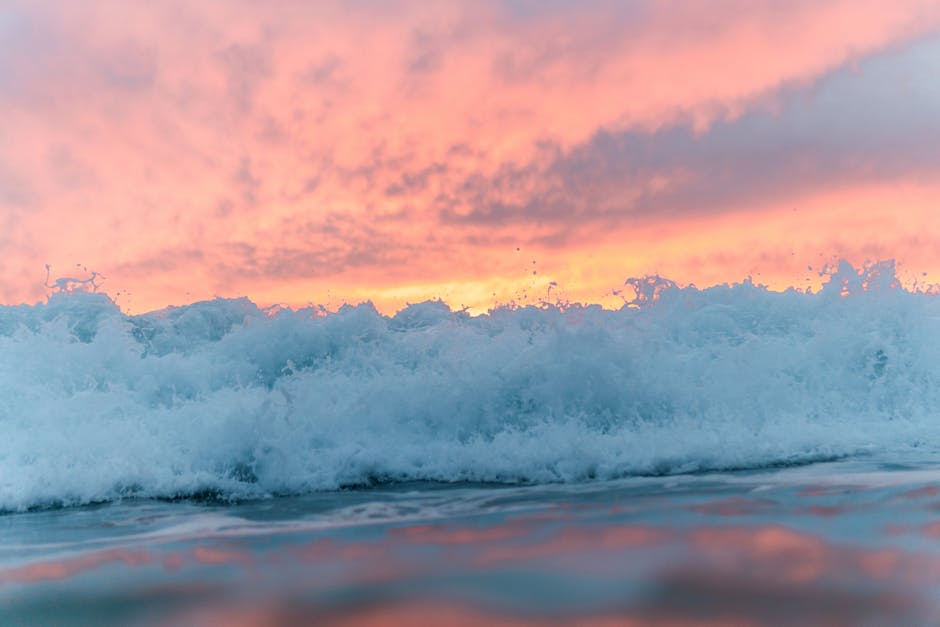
{"x":224,"y":398}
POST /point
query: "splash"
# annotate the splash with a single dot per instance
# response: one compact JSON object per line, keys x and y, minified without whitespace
{"x":69,"y":285}
{"x":223,"y":397}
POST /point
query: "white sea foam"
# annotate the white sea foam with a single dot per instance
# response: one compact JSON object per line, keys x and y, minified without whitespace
{"x":225,"y":398}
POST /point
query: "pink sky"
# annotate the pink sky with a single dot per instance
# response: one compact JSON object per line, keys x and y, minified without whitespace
{"x":326,"y":152}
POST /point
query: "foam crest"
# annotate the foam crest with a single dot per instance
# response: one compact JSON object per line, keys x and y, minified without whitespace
{"x":224,"y":398}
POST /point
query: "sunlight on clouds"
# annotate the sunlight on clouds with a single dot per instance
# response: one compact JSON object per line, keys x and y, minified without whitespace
{"x":402,"y":151}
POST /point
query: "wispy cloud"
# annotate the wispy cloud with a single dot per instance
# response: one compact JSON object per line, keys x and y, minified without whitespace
{"x":393,"y":143}
{"x":874,"y":121}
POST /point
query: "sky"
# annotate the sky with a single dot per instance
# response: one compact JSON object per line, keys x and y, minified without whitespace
{"x":478,"y":151}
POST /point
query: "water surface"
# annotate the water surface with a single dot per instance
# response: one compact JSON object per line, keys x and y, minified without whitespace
{"x":835,"y":543}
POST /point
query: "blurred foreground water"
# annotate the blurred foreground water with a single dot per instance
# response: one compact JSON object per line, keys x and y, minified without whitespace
{"x":852,"y":542}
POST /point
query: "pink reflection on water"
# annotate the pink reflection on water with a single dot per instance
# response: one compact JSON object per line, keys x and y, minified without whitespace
{"x":435,"y":534}
{"x":214,"y":555}
{"x":327,"y":549}
{"x":68,"y":567}
{"x":415,"y":613}
{"x":573,"y":541}
{"x":786,"y":554}
{"x":432,"y":612}
{"x":714,"y":574}
{"x":880,"y":564}
{"x":920,"y":493}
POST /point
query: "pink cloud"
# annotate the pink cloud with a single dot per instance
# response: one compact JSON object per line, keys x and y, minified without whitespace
{"x":329,"y":137}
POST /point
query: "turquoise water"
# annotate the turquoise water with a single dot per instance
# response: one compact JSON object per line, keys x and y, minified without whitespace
{"x":833,"y":543}
{"x":730,"y":455}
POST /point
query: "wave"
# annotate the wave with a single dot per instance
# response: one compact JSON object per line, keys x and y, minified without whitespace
{"x":223,"y":397}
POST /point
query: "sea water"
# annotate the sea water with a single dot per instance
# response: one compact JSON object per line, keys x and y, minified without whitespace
{"x":730,"y":455}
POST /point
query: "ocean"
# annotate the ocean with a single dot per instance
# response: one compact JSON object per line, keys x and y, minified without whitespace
{"x":723,"y":456}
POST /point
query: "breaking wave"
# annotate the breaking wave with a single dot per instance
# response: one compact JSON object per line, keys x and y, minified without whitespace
{"x":225,"y":398}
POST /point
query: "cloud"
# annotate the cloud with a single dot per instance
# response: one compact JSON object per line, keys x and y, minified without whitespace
{"x":130,"y":66}
{"x":400,"y":142}
{"x":245,"y":68}
{"x":870,"y":122}
{"x":163,"y":261}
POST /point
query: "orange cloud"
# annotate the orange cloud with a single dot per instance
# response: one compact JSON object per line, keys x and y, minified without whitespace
{"x":403,"y":151}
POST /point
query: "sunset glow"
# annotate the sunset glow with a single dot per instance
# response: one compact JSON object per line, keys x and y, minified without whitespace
{"x":477,"y":152}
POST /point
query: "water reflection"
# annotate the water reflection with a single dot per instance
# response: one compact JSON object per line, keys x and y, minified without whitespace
{"x":806,"y":555}
{"x":69,"y":567}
